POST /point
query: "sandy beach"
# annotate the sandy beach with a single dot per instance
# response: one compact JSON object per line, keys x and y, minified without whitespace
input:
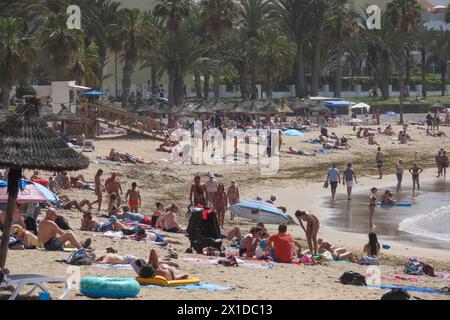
{"x":298,"y":184}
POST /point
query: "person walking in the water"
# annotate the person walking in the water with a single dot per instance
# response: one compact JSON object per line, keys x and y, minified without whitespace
{"x":372,"y":205}
{"x":333,"y":178}
{"x":380,"y":159}
{"x":415,"y":171}
{"x":347,"y":179}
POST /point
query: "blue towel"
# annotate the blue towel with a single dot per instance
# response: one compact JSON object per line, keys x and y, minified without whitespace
{"x":418,"y":289}
{"x":199,"y":286}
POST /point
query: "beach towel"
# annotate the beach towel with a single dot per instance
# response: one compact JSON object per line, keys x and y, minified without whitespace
{"x":417,"y":289}
{"x":443,"y":275}
{"x":113,"y":266}
{"x":241,"y":263}
{"x":399,"y":277}
{"x":200,"y":286}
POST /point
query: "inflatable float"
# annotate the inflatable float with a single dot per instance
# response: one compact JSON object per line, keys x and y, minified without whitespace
{"x":161,"y":281}
{"x":97,"y":287}
{"x":259,"y":211}
{"x":396,"y":204}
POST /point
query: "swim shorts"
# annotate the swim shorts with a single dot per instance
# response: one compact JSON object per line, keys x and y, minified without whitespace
{"x":379,"y":164}
{"x":53,"y":244}
{"x":174,"y":230}
{"x":333,"y":184}
{"x":133,"y":203}
{"x":349,"y":184}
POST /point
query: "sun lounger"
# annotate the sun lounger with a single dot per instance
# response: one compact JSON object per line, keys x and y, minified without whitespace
{"x":18,"y":281}
{"x":88,"y":146}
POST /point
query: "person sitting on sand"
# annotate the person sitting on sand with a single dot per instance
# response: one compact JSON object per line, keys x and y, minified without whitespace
{"x":249,"y":242}
{"x":64,"y":181}
{"x":167,"y":145}
{"x":311,"y":230}
{"x":28,"y":239}
{"x":359,"y":133}
{"x":387,"y":198}
{"x":366,"y":133}
{"x":54,"y":238}
{"x":113,"y":209}
{"x":88,"y":223}
{"x":134,"y":198}
{"x":168,"y":221}
{"x":345,"y":143}
{"x":299,"y":152}
{"x":372,"y":140}
{"x":53,"y":186}
{"x":282,"y":244}
{"x":158,"y":212}
{"x":371,"y":251}
{"x":389,"y":131}
{"x":402,"y":138}
{"x":153,"y":268}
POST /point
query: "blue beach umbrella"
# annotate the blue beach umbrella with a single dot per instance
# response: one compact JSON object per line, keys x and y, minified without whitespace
{"x":389,"y":113}
{"x":94,"y":93}
{"x":293,"y":133}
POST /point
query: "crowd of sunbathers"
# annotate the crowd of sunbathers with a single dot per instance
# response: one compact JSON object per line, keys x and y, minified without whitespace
{"x":116,"y":156}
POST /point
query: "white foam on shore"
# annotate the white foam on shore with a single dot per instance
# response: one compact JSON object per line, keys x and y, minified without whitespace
{"x":434,"y":225}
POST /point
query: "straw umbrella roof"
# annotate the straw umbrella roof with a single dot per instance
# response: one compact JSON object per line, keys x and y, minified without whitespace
{"x":46,"y":112}
{"x":66,"y":115}
{"x":220,"y":105}
{"x":271,"y":108}
{"x":436,"y":106}
{"x":28,"y":142}
{"x":184,"y":111}
{"x":205,"y":108}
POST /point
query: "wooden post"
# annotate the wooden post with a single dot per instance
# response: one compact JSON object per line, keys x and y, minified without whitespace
{"x":14,"y":176}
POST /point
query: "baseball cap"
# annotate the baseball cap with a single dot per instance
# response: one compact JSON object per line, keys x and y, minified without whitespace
{"x":113,"y":218}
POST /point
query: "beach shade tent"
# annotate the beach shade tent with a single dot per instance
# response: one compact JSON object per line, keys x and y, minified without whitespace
{"x":259,"y":211}
{"x":337,"y":104}
{"x":362,"y":106}
{"x":29,"y":192}
{"x":219,"y":106}
{"x":271,"y":108}
{"x":293,"y":133}
{"x":204,"y":108}
{"x":389,"y":113}
{"x":94,"y":94}
{"x":27,"y":142}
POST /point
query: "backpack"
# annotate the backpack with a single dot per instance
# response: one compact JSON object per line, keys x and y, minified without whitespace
{"x":396,"y":294}
{"x":414,"y":266}
{"x":62,"y":223}
{"x":80,"y":258}
{"x":353,"y":278}
{"x":107,"y":226}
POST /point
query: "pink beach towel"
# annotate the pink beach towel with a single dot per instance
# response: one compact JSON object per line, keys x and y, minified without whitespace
{"x":398,"y":277}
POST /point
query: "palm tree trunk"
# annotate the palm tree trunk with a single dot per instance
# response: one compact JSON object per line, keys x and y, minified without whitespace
{"x":407,"y":70}
{"x":300,"y":87}
{"x":153,"y":84}
{"x":443,"y":76}
{"x":424,"y":70}
{"x":198,"y":85}
{"x":242,"y":69}
{"x":254,"y":80}
{"x":126,"y":82}
{"x":102,"y":62}
{"x":206,"y":87}
{"x":269,"y":89}
{"x":170,"y":87}
{"x":5,"y":95}
{"x":315,"y":81}
{"x":402,"y":84}
{"x":178,"y":89}
{"x":385,"y":78}
{"x":338,"y":76}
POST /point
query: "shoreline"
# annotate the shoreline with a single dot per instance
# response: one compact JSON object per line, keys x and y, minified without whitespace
{"x":292,"y":198}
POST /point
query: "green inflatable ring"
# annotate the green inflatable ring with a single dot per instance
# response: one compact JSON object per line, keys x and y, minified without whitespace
{"x":97,"y":287}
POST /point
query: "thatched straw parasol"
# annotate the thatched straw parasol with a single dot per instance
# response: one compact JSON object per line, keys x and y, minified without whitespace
{"x":271,"y":108}
{"x":219,"y":105}
{"x":27,"y":142}
{"x":204,"y":108}
{"x":46,"y":113}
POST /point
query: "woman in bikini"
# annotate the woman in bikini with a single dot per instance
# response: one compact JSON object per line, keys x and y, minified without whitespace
{"x":415,"y":171}
{"x":372,"y":205}
{"x":220,"y":203}
{"x":311,"y":230}
{"x":99,"y":188}
{"x":198,"y":193}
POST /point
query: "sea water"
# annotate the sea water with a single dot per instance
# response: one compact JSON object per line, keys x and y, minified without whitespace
{"x":433,"y":225}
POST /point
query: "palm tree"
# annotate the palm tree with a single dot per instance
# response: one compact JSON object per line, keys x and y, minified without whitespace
{"x":295,"y":19}
{"x":405,"y":16}
{"x":441,"y":52}
{"x":60,"y":43}
{"x":86,"y":64}
{"x":218,"y":17}
{"x":132,"y":36}
{"x":253,"y":15}
{"x":172,"y":12}
{"x":343,"y":29}
{"x":17,"y":55}
{"x":275,"y":56}
{"x":424,"y":40}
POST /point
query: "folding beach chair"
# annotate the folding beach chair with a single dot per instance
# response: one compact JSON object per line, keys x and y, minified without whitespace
{"x":18,"y":281}
{"x":88,"y":146}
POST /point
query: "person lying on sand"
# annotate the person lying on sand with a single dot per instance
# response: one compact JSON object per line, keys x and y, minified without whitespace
{"x":114,"y":258}
{"x":167,"y":145}
{"x":436,"y":134}
{"x":54,"y":238}
{"x":119,"y":227}
{"x":29,"y":239}
{"x":152,"y":267}
{"x":336,"y":253}
{"x":68,"y":204}
{"x":299,"y":152}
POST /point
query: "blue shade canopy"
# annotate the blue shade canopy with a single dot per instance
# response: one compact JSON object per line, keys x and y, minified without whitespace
{"x":337,"y":103}
{"x":94,"y":93}
{"x":389,"y":113}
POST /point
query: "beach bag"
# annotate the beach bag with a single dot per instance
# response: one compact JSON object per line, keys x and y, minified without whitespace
{"x":307,"y":260}
{"x":80,"y":258}
{"x":396,"y":294}
{"x":105,"y":227}
{"x":353,"y":278}
{"x":62,"y":223}
{"x":414,"y":266}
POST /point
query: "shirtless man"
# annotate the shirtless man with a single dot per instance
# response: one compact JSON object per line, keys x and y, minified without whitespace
{"x":112,"y":185}
{"x":155,"y":268}
{"x":198,"y":193}
{"x":233,"y":195}
{"x":134,"y":198}
{"x":380,"y":158}
{"x":211,"y":188}
{"x":53,"y":237}
{"x":168,"y":221}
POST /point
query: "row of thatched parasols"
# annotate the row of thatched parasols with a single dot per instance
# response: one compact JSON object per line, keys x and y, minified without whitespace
{"x":27,"y":142}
